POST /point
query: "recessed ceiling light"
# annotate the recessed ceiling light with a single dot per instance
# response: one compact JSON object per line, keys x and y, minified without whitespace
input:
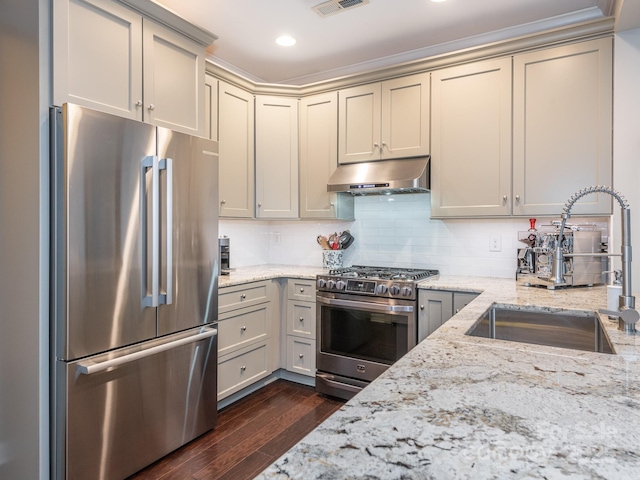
{"x":285,"y":41}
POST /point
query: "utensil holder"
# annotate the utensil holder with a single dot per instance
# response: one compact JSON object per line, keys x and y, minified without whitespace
{"x":332,"y":258}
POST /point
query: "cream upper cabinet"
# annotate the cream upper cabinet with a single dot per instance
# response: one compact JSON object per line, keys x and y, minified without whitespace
{"x":236,"y":151}
{"x":562,"y":134}
{"x":384,"y":120}
{"x":276,"y":157}
{"x":211,"y":107}
{"x":319,"y":159}
{"x":173,"y":80}
{"x":471,"y":140}
{"x":108,"y":57}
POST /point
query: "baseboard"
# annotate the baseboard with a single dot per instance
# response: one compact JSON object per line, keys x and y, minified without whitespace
{"x":281,"y":373}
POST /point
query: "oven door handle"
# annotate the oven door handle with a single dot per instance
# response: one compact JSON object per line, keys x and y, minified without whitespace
{"x":365,"y":305}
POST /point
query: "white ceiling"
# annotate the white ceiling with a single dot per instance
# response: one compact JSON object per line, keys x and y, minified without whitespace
{"x":381,"y":33}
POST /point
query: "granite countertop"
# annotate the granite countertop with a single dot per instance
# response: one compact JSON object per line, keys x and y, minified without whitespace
{"x":467,"y":407}
{"x":256,"y":273}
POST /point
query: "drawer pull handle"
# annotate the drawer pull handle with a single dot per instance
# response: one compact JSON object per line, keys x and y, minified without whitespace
{"x":243,"y":368}
{"x":243,"y":296}
{"x":301,"y":355}
{"x":243,"y":328}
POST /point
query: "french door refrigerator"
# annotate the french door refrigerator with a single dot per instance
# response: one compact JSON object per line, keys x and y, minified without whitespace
{"x":134,"y":292}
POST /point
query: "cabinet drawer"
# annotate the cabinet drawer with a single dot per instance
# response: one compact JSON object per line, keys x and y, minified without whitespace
{"x":301,"y":355}
{"x":237,"y":372}
{"x":301,"y":318}
{"x":301,"y":289}
{"x":231,"y":298}
{"x":243,"y":327}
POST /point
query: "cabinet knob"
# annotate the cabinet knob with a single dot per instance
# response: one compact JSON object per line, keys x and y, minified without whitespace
{"x":331,"y":204}
{"x":139,"y":103}
{"x":301,"y":319}
{"x":243,"y":296}
{"x":223,"y":201}
{"x":151,"y":107}
{"x":517,"y":197}
{"x":301,"y":290}
{"x":384,"y":144}
{"x":504,"y":199}
{"x":421,"y":307}
{"x":243,"y":368}
{"x":259,"y":204}
{"x":301,"y":355}
{"x":243,"y":328}
{"x":457,"y":310}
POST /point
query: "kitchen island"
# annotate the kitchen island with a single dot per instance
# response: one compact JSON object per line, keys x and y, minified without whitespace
{"x":468,"y":407}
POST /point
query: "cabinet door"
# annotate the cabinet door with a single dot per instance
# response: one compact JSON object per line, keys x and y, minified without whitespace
{"x":471,"y":140}
{"x":405,"y":117}
{"x":276,"y":157}
{"x":461,"y":300}
{"x":173,"y":80}
{"x":319,"y":158}
{"x":235,"y":137}
{"x":562,"y":128}
{"x":97,"y":56}
{"x":211,"y":107}
{"x":359,"y":124}
{"x":435,"y":309}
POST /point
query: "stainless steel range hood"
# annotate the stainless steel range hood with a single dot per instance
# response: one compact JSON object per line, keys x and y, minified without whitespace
{"x":406,"y":175}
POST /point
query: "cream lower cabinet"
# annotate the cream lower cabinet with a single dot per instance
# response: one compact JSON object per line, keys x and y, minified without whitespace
{"x":319,"y":159}
{"x":236,"y":116}
{"x":244,"y":336}
{"x":111,"y":58}
{"x":384,"y":120}
{"x":561,"y":139}
{"x":276,"y":157}
{"x":301,"y":327}
{"x":436,"y":307}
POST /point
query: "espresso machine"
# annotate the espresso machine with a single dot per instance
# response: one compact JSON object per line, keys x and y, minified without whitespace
{"x":535,"y":261}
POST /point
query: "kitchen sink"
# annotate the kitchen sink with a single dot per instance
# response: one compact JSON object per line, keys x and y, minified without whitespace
{"x":575,"y":329}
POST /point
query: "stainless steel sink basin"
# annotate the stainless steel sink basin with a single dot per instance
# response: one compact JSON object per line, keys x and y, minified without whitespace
{"x":579,"y":330}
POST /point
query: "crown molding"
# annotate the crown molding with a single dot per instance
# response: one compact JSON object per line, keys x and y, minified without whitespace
{"x":562,"y":35}
{"x":160,"y":14}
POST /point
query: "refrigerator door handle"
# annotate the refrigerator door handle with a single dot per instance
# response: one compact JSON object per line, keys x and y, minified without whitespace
{"x":89,"y":367}
{"x":151,"y":162}
{"x":167,"y":298}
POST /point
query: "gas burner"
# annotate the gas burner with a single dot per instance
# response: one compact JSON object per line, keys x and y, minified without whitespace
{"x":374,"y":281}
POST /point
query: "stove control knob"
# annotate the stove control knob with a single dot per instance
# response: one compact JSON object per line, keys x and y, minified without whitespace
{"x":340,"y":285}
{"x":406,"y":291}
{"x":321,"y":282}
{"x":382,"y":289}
{"x":394,"y":289}
{"x":331,"y":284}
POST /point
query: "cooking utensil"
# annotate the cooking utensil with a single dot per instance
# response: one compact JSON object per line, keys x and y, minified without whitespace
{"x":345,"y":239}
{"x":323,"y":242}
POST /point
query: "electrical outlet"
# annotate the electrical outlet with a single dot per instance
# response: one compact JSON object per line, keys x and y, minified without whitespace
{"x":495,"y":244}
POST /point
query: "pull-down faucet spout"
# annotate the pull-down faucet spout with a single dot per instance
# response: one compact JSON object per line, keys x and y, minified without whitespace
{"x":626,"y":313}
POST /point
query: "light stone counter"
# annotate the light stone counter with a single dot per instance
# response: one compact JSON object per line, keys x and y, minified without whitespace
{"x":267,"y":272}
{"x":468,"y":407}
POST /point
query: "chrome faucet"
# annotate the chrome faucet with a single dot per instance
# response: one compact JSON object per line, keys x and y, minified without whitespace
{"x":626,"y":313}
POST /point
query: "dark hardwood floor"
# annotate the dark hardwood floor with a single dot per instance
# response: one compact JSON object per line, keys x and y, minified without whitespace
{"x":251,"y":434}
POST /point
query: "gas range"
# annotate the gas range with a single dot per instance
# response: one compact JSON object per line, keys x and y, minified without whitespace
{"x":387,"y":282}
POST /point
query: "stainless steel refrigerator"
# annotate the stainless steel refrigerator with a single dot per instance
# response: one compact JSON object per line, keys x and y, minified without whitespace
{"x":134,"y":292}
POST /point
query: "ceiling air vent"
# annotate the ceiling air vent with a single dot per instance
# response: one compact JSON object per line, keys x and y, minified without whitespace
{"x":336,"y":6}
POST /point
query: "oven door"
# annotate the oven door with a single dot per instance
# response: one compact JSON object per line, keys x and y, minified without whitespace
{"x":359,"y":336}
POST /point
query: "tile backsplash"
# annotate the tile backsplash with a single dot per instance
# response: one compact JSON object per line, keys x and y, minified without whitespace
{"x":389,"y":230}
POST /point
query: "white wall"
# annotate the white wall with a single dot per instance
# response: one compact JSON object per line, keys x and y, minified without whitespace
{"x":24,"y":237}
{"x":626,"y":138}
{"x":393,"y":230}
